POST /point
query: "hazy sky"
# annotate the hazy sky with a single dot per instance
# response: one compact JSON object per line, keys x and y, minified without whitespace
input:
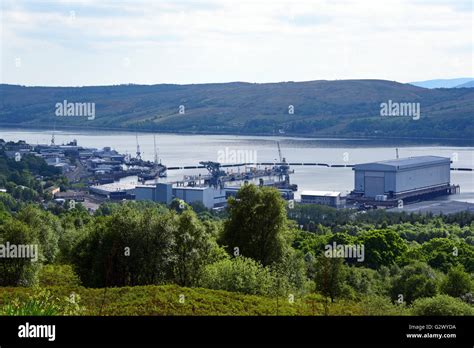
{"x":75,"y":43}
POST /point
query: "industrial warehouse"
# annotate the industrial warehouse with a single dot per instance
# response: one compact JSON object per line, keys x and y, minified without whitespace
{"x":407,"y":179}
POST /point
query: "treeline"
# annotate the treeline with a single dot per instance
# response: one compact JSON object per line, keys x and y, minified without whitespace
{"x":310,"y":215}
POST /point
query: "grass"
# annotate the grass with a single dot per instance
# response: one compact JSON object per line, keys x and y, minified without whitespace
{"x":59,"y":286}
{"x":175,"y":300}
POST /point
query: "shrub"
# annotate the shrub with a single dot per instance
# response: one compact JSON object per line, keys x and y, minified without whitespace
{"x":380,"y":305}
{"x":457,"y":282}
{"x":58,"y":275}
{"x":240,"y":274}
{"x":441,"y":305}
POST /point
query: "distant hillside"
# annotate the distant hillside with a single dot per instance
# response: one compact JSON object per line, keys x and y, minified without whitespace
{"x":442,"y":83}
{"x":321,"y":108}
{"x":469,"y":84}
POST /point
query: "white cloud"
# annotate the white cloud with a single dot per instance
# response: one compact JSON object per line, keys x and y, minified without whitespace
{"x":216,"y":41}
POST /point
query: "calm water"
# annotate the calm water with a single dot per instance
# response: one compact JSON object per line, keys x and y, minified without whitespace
{"x":179,"y":150}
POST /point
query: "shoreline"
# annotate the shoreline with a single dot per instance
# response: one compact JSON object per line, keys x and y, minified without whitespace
{"x":463,"y":141}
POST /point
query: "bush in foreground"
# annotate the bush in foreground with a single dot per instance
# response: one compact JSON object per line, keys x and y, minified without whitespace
{"x":240,"y":274}
{"x":441,"y":305}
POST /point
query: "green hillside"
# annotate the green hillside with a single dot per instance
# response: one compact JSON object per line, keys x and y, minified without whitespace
{"x":321,"y":108}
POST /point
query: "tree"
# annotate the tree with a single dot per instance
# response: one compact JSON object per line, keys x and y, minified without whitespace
{"x":135,"y":247}
{"x":46,"y":226}
{"x":129,"y":247}
{"x":292,"y":274}
{"x":195,"y":246}
{"x":257,"y":225}
{"x":415,"y":281}
{"x":443,"y":253}
{"x":457,"y":282}
{"x":363,"y":280}
{"x":382,"y":247}
{"x":440,"y":253}
{"x":330,"y":276}
{"x":18,"y":271}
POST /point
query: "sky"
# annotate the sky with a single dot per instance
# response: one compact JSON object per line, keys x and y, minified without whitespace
{"x":83,"y":43}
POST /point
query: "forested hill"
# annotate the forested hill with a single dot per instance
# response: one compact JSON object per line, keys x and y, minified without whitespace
{"x":321,"y":108}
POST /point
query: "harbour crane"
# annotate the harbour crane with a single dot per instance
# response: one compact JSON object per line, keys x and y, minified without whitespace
{"x":216,"y":172}
{"x":156,"y":151}
{"x":279,"y":153}
{"x":139,"y":154}
{"x":282,"y":168}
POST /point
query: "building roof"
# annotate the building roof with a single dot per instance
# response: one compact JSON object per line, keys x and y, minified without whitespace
{"x":403,"y":163}
{"x":114,"y":187}
{"x":192,"y":188}
{"x":321,"y":193}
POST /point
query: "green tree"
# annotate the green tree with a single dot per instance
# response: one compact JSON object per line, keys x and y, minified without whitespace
{"x":195,"y":246}
{"x":257,"y":225}
{"x":292,"y":274}
{"x":129,"y":247}
{"x":440,"y":253}
{"x":46,"y":226}
{"x":382,"y":247}
{"x":457,"y":282}
{"x":330,"y":276}
{"x":415,"y":281}
{"x":443,"y":253}
{"x":18,"y":271}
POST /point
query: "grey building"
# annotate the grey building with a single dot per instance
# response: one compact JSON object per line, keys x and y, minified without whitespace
{"x":166,"y":192}
{"x":404,"y":176}
{"x":161,"y":193}
{"x":209,"y":196}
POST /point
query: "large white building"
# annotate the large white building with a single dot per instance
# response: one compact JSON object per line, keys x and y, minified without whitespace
{"x":331,"y":198}
{"x":402,"y":177}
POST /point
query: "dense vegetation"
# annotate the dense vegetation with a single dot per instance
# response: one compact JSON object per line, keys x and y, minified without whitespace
{"x":146,"y":258}
{"x":27,"y":179}
{"x":321,"y":108}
